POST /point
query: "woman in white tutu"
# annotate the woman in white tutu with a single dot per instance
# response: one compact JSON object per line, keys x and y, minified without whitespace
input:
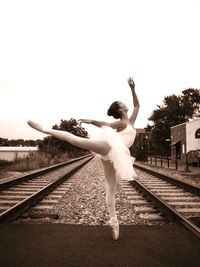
{"x":112,"y":144}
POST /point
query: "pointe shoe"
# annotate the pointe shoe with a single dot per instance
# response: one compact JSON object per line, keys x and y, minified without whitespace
{"x":37,"y":126}
{"x":114,"y":224}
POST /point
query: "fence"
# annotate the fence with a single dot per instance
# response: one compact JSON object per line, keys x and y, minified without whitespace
{"x":164,"y":162}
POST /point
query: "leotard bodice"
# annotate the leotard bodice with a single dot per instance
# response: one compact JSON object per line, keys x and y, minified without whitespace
{"x":128,"y":135}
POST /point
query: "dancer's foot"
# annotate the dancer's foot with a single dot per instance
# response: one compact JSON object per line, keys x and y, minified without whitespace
{"x":113,"y":222}
{"x":37,"y":126}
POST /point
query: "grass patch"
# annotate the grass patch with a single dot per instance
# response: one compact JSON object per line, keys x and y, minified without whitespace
{"x":35,"y":160}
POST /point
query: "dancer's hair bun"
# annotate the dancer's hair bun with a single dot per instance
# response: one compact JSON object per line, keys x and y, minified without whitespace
{"x":114,"y":110}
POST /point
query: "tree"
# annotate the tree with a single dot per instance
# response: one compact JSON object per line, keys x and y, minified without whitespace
{"x":54,"y":146}
{"x":4,"y":142}
{"x":191,"y":103}
{"x":175,"y":110}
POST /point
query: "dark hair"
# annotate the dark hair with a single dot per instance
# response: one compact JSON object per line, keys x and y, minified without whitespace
{"x":114,"y":110}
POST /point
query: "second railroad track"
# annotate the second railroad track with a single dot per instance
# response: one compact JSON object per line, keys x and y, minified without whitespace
{"x":20,"y":195}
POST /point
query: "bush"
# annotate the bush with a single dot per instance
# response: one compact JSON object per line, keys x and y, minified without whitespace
{"x":4,"y":163}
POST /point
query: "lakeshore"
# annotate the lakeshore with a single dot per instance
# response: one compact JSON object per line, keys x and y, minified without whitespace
{"x":11,"y":153}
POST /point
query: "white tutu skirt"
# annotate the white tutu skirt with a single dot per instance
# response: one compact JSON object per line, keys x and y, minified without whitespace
{"x":119,"y":153}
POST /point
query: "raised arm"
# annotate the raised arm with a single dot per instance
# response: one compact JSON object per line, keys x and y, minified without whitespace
{"x":135,"y":101}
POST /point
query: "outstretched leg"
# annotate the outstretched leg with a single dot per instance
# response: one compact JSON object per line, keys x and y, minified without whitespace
{"x":111,"y":188}
{"x":96,"y":146}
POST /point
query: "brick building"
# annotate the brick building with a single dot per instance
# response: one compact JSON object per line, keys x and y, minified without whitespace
{"x":185,"y":139}
{"x":140,"y":136}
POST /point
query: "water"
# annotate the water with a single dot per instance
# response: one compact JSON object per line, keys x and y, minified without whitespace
{"x":13,"y":153}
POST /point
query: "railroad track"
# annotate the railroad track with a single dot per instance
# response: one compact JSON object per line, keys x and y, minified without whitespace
{"x":38,"y":190}
{"x":173,"y":199}
{"x":142,"y":206}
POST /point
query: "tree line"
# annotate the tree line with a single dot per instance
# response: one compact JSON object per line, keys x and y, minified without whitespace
{"x":18,"y":142}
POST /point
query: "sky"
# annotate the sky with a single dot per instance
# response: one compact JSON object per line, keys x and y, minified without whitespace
{"x":71,"y":59}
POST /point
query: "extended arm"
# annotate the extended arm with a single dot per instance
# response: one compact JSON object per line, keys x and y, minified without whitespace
{"x":135,"y":101}
{"x":114,"y":125}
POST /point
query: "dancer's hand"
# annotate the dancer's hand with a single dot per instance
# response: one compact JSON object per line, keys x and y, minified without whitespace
{"x":131,"y":82}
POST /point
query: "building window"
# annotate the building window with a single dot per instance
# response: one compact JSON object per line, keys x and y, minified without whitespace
{"x":197,"y":133}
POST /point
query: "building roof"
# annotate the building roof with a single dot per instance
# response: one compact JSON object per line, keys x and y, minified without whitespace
{"x":185,"y":123}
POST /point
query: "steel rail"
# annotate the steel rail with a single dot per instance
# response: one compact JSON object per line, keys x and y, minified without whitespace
{"x":166,"y":209}
{"x":15,"y":211}
{"x":172,"y":180}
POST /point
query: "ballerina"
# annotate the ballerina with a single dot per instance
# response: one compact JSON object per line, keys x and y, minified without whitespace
{"x":112,"y":144}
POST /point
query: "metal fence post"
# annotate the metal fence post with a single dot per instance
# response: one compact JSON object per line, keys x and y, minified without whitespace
{"x":168,"y":162}
{"x":176,"y":164}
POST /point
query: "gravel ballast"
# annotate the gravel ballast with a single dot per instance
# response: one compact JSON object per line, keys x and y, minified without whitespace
{"x":84,"y":203}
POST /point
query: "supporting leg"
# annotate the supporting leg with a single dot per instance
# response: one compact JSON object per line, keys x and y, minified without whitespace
{"x":111,"y":188}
